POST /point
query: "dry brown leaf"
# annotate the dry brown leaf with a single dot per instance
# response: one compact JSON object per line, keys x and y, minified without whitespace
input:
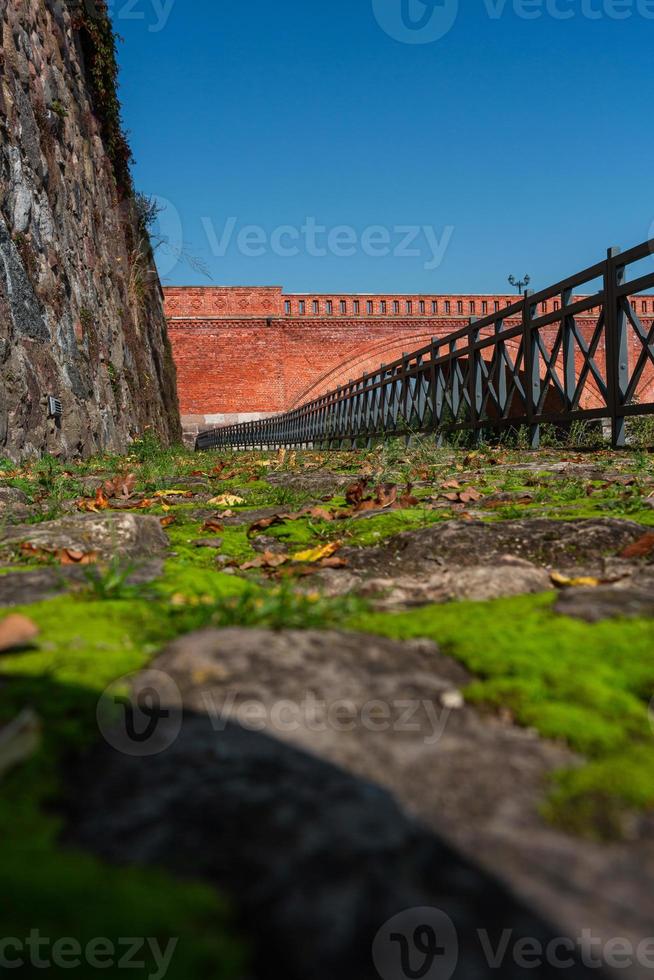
{"x":386,"y":495}
{"x":65,"y":556}
{"x":335,"y":561}
{"x":321,"y":514}
{"x":407,"y":499}
{"x":69,"y":556}
{"x":213,"y":525}
{"x":269,"y":559}
{"x":265,"y":523}
{"x":94,"y":504}
{"x":642,"y":548}
{"x":17,"y":631}
{"x":168,"y":520}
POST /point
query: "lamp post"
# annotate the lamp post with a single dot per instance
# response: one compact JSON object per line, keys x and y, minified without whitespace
{"x":520,"y":284}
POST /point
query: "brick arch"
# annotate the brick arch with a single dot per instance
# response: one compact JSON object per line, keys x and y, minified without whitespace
{"x":367,"y":359}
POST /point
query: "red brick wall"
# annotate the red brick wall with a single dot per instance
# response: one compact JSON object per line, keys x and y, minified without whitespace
{"x":240,"y":353}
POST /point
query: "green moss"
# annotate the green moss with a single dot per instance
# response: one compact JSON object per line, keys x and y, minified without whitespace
{"x":587,"y":685}
{"x":84,"y":646}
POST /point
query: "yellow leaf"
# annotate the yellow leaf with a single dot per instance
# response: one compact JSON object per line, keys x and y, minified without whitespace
{"x":226,"y":500}
{"x":317,"y":554}
{"x":174,"y":493}
{"x":564,"y":581}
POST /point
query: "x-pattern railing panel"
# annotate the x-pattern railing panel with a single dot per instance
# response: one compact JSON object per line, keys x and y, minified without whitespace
{"x":513,"y":367}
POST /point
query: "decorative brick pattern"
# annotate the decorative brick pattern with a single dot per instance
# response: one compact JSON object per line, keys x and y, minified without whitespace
{"x":245,"y":352}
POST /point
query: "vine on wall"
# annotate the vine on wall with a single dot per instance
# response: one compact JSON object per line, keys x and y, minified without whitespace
{"x":92,"y":21}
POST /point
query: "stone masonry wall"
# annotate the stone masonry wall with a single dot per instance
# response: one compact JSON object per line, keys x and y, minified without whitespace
{"x":81,"y":313}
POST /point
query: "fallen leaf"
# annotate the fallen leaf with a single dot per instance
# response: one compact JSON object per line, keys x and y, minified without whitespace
{"x":354,"y":494}
{"x":69,"y":556}
{"x":470,"y":496}
{"x":407,"y":499}
{"x":65,"y":556}
{"x":264,"y":524}
{"x":213,"y":525}
{"x":321,"y":514}
{"x":17,"y":631}
{"x":94,"y":504}
{"x":168,"y":520}
{"x":120,"y":486}
{"x":564,"y":581}
{"x":334,"y":562}
{"x":642,"y":548}
{"x":269,"y":559}
{"x":317,"y":554}
{"x":226,"y":500}
{"x":174,"y":493}
{"x":386,"y":495}
{"x":464,"y":496}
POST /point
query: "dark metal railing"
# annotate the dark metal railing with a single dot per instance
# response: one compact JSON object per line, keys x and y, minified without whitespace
{"x":514,"y":367}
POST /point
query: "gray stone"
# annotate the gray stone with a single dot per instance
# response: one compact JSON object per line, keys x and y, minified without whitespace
{"x":318,"y":858}
{"x":478,"y":561}
{"x":41,"y":584}
{"x":247,"y":517}
{"x":606,"y":602}
{"x":11,"y":496}
{"x":121,"y":534}
{"x":318,"y":482}
{"x":27,"y":312}
{"x":508,"y":576}
{"x":66,"y":306}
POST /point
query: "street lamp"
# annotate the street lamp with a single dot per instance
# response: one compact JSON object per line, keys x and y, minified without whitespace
{"x":520,"y":284}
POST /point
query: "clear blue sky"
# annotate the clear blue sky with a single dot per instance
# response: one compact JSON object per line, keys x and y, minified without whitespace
{"x":529,"y":139}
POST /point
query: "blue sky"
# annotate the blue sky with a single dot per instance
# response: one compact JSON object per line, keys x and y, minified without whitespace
{"x":510,"y":144}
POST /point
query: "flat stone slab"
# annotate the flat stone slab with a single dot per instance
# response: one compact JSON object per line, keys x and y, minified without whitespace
{"x":319,"y":482}
{"x":478,"y":561}
{"x":557,"y":544}
{"x":292,"y":812}
{"x":122,"y":534}
{"x":14,"y":505}
{"x":629,"y":598}
{"x":41,"y":584}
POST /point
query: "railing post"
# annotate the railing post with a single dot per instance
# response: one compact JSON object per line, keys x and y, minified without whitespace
{"x":617,"y":351}
{"x":532,"y":369}
{"x":569,"y":371}
{"x":404,"y":398}
{"x":474,"y":380}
